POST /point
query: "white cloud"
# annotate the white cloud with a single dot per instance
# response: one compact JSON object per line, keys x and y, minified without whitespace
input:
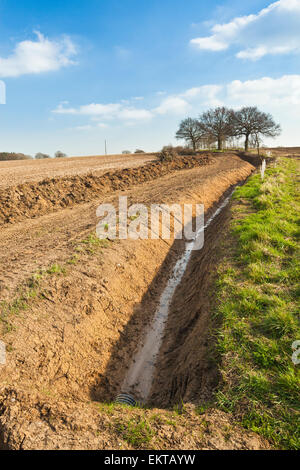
{"x":41,"y":55}
{"x":99,"y":109}
{"x":211,"y":43}
{"x":93,"y":109}
{"x":132,"y":114}
{"x":182,"y":103}
{"x":173,"y":104}
{"x":109,"y":111}
{"x":61,"y":109}
{"x":269,"y":94}
{"x":280,"y":96}
{"x":206,"y":94}
{"x":265,"y":92}
{"x":272,"y":31}
{"x":89,"y":127}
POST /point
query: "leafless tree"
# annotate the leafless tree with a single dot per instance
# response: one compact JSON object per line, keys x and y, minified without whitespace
{"x":190,"y":131}
{"x":217,"y":124}
{"x":60,"y":154}
{"x":207,"y":142}
{"x":250,"y":122}
{"x":41,"y":156}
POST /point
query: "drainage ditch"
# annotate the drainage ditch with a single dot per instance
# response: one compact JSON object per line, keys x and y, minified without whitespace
{"x":139,"y":384}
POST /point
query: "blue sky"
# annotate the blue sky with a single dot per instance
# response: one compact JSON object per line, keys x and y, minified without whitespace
{"x":78,"y":72}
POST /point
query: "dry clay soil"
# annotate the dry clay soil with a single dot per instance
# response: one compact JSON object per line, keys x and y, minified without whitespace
{"x":22,"y":171}
{"x":73,"y":330}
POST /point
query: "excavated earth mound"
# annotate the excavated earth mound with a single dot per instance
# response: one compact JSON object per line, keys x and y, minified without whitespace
{"x":35,"y":199}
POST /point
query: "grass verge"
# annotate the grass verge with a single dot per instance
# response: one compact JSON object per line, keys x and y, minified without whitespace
{"x":259,"y":307}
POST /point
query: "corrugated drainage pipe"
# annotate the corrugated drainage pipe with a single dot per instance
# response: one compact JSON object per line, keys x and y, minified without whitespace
{"x":125,"y":399}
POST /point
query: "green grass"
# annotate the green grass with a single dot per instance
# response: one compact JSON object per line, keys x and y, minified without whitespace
{"x":259,"y":308}
{"x":137,"y":432}
{"x":56,"y":269}
{"x":92,"y":244}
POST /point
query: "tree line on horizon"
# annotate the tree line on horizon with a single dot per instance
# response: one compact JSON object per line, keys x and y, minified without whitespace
{"x":221,"y":124}
{"x":8,"y":156}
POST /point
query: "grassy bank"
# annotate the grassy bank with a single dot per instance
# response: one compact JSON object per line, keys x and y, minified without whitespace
{"x":258,"y":307}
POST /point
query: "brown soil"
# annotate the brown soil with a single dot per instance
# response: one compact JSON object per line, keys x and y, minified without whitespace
{"x":32,"y":200}
{"x":71,"y":336}
{"x":37,"y":243}
{"x":27,"y":423}
{"x":285,"y":151}
{"x":13,"y":173}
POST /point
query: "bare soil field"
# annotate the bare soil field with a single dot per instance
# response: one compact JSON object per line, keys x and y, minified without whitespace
{"x":31,"y":200}
{"x":74,"y":309}
{"x":13,"y":173}
{"x":33,"y":244}
{"x":285,"y":151}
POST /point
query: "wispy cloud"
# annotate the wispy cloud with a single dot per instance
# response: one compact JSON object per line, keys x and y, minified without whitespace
{"x":132,"y":114}
{"x":172,"y":104}
{"x":266,"y":92}
{"x":90,"y":127}
{"x":272,"y":31}
{"x":118,"y":111}
{"x":41,"y":55}
{"x":93,"y":109}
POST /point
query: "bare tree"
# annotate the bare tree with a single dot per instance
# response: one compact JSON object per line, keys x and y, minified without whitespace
{"x":41,"y":156}
{"x":60,"y":154}
{"x":207,"y":141}
{"x":217,"y":124}
{"x":190,"y":131}
{"x":250,"y":122}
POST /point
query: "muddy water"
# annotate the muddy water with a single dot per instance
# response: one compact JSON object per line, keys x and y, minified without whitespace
{"x":139,"y":378}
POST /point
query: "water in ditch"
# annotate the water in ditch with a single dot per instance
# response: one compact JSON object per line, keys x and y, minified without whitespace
{"x":139,"y":378}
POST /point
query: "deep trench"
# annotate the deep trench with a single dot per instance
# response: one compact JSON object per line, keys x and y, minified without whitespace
{"x":187,"y":365}
{"x":139,"y":378}
{"x":175,"y":359}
